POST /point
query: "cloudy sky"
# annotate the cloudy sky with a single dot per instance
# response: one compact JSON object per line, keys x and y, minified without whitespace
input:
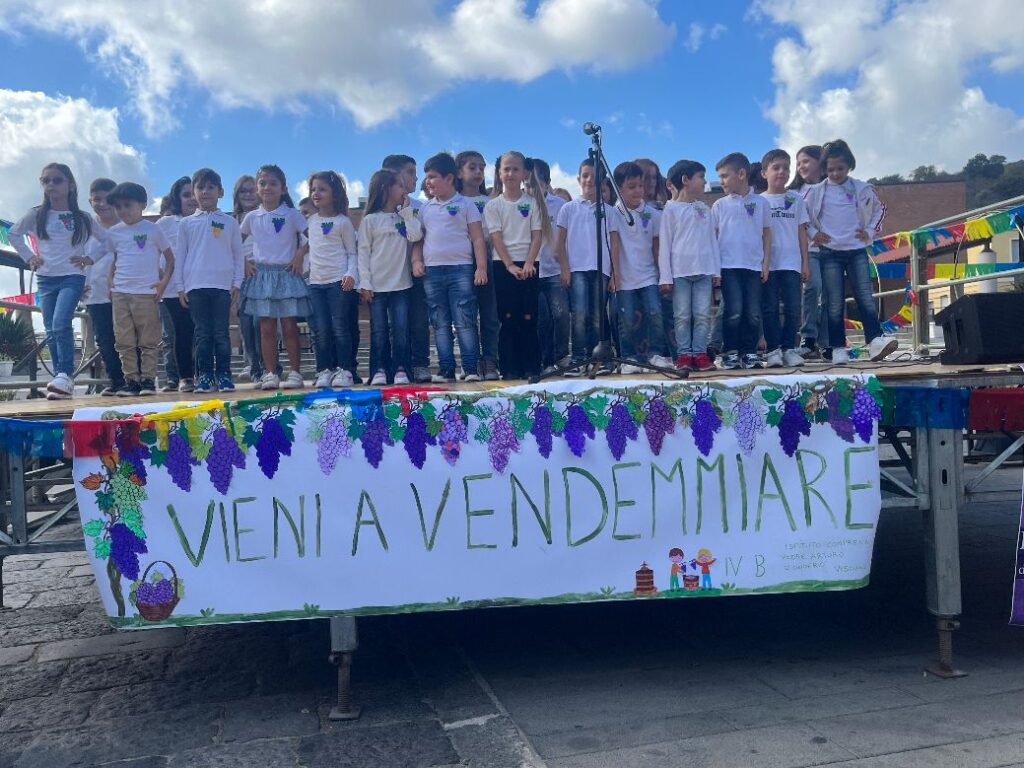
{"x":151,"y":91}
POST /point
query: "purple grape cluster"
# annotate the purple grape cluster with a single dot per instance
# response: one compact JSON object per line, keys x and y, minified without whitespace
{"x":271,"y":445}
{"x":541,"y":429}
{"x":503,"y":441}
{"x":179,"y":461}
{"x":125,"y":548}
{"x":577,"y":429}
{"x":706,"y":422}
{"x":659,"y":422}
{"x":748,"y":426}
{"x":224,"y":457}
{"x":840,"y":424}
{"x":375,"y":436}
{"x":154,"y":592}
{"x":415,"y":438}
{"x":131,"y":450}
{"x":620,"y":429}
{"x":794,"y":423}
{"x":452,"y":435}
{"x":864,"y":414}
{"x":334,"y":442}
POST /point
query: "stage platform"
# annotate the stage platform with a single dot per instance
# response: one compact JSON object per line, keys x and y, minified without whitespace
{"x":909,"y":373}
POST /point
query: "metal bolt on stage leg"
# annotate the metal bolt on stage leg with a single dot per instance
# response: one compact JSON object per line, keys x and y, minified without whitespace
{"x":944,"y":666}
{"x":344,"y":641}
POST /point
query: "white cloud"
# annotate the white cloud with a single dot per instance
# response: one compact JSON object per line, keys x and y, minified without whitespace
{"x":901,"y":85}
{"x":36,"y":129}
{"x":697,"y":32}
{"x":280,"y":55}
{"x":565,"y":180}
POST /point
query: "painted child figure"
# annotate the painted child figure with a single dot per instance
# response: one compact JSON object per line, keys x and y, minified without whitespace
{"x":704,"y":561}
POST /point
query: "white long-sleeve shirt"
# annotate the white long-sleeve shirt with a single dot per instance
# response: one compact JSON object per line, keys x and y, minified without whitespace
{"x":57,"y":250}
{"x":209,"y":253}
{"x":97,"y":274}
{"x":687,"y":246}
{"x":332,"y":249}
{"x":384,"y":263}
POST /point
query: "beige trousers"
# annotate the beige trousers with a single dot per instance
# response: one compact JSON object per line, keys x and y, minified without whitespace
{"x":137,"y":328}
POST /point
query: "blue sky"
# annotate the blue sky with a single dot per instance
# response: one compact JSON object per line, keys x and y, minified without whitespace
{"x":718,"y":78}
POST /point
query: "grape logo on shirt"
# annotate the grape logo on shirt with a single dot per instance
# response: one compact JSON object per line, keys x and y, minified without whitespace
{"x":326,"y":227}
{"x":787,"y":202}
{"x":700,"y":209}
{"x":68,"y":220}
{"x":140,"y":240}
{"x":400,"y":226}
{"x":480,"y":204}
{"x":850,"y":191}
{"x":645,"y":218}
{"x":751,"y":207}
{"x":453,"y":209}
{"x":278,"y":222}
{"x":524,"y":209}
{"x":216,"y":227}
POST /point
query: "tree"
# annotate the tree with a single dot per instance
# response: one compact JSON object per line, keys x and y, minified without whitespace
{"x":982,"y":167}
{"x":893,"y":178}
{"x":924,"y":173}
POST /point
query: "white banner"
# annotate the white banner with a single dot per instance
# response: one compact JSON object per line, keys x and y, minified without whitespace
{"x":347,"y":503}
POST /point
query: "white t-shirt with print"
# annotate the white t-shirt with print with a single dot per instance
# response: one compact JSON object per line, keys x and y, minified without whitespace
{"x":97,"y":274}
{"x":210,"y":253}
{"x":741,"y":221}
{"x":480,"y":201}
{"x":577,"y":219}
{"x":516,"y":220}
{"x":332,"y":249}
{"x":138,"y":253}
{"x":384,"y":240}
{"x":56,"y":250}
{"x":548,"y":259}
{"x":687,"y":245}
{"x":839,"y":217}
{"x":788,"y":214}
{"x":446,"y":239}
{"x":638,"y":267}
{"x":275,"y":234}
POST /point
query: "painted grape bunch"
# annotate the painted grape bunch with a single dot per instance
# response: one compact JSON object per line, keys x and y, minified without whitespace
{"x":452,"y":435}
{"x":334,"y":443}
{"x":225,"y":456}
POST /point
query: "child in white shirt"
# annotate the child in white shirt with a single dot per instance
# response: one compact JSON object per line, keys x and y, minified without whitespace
{"x":211,"y":265}
{"x":744,"y":246}
{"x":553,"y":305}
{"x":178,"y":330}
{"x":137,"y":286}
{"x":97,"y":283}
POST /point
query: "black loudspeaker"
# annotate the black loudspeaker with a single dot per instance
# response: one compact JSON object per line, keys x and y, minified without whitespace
{"x":983,"y":328}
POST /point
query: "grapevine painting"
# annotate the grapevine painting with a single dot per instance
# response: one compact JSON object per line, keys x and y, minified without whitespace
{"x":234,"y":487}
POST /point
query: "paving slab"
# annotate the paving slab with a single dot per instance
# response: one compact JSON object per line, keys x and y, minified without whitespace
{"x":120,"y":643}
{"x":977,"y":753}
{"x":420,"y":744}
{"x":267,"y":717}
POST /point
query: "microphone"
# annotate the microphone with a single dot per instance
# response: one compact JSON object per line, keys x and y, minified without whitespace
{"x":591,"y":128}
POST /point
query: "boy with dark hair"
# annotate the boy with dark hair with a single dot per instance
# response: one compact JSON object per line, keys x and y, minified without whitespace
{"x":452,"y":259}
{"x":744,"y":236}
{"x":137,"y":286}
{"x":97,"y":285}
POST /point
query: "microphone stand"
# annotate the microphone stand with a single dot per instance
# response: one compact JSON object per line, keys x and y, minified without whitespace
{"x":601,"y":357}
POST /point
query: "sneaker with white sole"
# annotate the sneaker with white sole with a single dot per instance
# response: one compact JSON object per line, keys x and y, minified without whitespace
{"x":324,"y":378}
{"x":881,"y":347}
{"x":661,"y":361}
{"x":342,"y":378}
{"x":628,"y":369}
{"x":401,"y":377}
{"x":421,"y":375}
{"x":752,"y":360}
{"x":472,"y":377}
{"x":294,"y":380}
{"x":270,"y":380}
{"x":840,"y":357}
{"x":774,"y":358}
{"x":380,"y":379}
{"x":792,"y":359}
{"x":443,"y":377}
{"x":731,"y":361}
{"x":62,"y":385}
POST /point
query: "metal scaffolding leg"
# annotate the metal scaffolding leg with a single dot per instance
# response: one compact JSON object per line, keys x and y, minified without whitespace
{"x":344,"y":642}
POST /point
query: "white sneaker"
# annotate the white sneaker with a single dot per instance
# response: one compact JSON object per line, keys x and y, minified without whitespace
{"x":840,"y":357}
{"x":662,"y":362}
{"x":324,"y":378}
{"x":628,"y":369}
{"x":270,"y":381}
{"x":773,"y":359}
{"x":881,"y":347}
{"x":380,"y":379}
{"x":792,"y":359}
{"x":342,"y":378}
{"x":62,"y":385}
{"x":730,"y":361}
{"x":472,"y":377}
{"x":294,"y":380}
{"x":401,"y":377}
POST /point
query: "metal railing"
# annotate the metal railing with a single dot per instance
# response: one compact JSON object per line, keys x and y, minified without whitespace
{"x":89,"y":357}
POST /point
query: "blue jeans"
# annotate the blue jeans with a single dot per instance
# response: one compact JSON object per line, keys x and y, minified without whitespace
{"x":183,"y":334}
{"x":783,"y":285}
{"x":691,"y":307}
{"x":58,"y":296}
{"x":836,"y":268}
{"x":211,"y":311}
{"x":668,"y":324}
{"x":451,"y":298}
{"x":102,"y":318}
{"x":585,"y":300}
{"x":553,"y":320}
{"x":389,"y":337}
{"x":419,"y":324}
{"x":331,"y":312}
{"x":813,"y":318}
{"x":641,"y":329}
{"x":487,"y":299}
{"x":741,"y":307}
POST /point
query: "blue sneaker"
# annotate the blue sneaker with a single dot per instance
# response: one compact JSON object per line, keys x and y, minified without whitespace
{"x":225,"y":384}
{"x":204,"y":384}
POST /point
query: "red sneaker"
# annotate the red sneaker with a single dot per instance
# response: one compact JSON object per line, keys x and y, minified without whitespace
{"x":703,"y":363}
{"x":684,"y":362}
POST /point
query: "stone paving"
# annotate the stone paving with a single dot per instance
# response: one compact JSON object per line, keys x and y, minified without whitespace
{"x":796,"y":680}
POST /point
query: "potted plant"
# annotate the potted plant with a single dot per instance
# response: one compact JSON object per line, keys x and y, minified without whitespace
{"x":16,"y":339}
{"x":6,"y":366}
